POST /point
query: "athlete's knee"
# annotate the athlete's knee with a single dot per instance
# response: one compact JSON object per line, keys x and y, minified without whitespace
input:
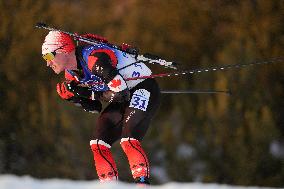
{"x":98,"y":144}
{"x":137,"y":131}
{"x":104,"y":162}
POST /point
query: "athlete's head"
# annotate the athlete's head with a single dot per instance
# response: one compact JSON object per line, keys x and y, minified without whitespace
{"x":56,"y":50}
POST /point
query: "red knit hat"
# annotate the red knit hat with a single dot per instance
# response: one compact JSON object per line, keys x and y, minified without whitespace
{"x":57,"y":40}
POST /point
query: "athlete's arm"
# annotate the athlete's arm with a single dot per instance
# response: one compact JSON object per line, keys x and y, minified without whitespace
{"x":103,"y":64}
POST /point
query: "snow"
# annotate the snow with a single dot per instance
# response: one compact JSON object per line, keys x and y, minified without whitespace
{"x":185,"y":151}
{"x":27,"y":182}
{"x":159,"y":173}
{"x":277,"y":149}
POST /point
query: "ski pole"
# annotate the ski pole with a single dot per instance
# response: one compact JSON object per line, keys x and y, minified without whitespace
{"x":196,"y":92}
{"x":216,"y":68}
{"x":200,"y":70}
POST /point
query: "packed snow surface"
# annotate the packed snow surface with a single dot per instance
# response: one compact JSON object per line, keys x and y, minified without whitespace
{"x":27,"y":182}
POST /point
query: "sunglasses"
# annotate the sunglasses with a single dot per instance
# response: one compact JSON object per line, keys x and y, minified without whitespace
{"x":51,"y":55}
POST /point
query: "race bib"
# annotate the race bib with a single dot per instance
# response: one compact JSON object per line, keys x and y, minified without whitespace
{"x":140,"y":99}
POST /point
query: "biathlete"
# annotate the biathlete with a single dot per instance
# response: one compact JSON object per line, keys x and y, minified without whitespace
{"x":96,"y":73}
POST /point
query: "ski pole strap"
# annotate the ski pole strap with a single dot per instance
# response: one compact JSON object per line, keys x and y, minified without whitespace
{"x":215,"y":68}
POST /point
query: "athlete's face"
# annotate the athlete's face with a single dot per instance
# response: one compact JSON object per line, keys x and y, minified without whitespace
{"x":59,"y":63}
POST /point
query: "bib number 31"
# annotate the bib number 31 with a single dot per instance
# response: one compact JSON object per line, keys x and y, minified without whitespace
{"x":140,"y":99}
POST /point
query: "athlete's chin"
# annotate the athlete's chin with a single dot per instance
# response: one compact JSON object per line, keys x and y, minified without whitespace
{"x":57,"y":71}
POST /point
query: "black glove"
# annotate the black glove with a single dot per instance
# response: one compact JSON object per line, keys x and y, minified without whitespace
{"x":92,"y":106}
{"x":83,"y":92}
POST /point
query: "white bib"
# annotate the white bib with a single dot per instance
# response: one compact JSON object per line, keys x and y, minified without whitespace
{"x":135,"y":70}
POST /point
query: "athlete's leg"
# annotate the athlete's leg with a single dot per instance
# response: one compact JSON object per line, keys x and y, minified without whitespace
{"x":144,"y":102}
{"x":108,"y":130}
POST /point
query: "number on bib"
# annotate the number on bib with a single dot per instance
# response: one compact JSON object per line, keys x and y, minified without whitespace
{"x":140,"y":99}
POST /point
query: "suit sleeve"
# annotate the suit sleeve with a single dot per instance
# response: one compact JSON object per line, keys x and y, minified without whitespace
{"x":103,"y":64}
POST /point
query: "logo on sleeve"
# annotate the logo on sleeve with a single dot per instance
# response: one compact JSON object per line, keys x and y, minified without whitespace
{"x":115,"y":83}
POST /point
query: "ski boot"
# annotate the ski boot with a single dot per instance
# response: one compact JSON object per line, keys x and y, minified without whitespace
{"x":142,"y":181}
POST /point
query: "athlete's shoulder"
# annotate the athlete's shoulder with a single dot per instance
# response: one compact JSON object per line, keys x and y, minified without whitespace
{"x":73,"y":75}
{"x":68,"y":76}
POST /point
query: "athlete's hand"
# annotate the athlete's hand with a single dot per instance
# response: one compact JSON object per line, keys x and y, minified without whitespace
{"x":64,"y":91}
{"x":69,"y":89}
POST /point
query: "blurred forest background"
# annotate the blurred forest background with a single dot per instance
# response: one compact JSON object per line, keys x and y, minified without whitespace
{"x":194,"y":137}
